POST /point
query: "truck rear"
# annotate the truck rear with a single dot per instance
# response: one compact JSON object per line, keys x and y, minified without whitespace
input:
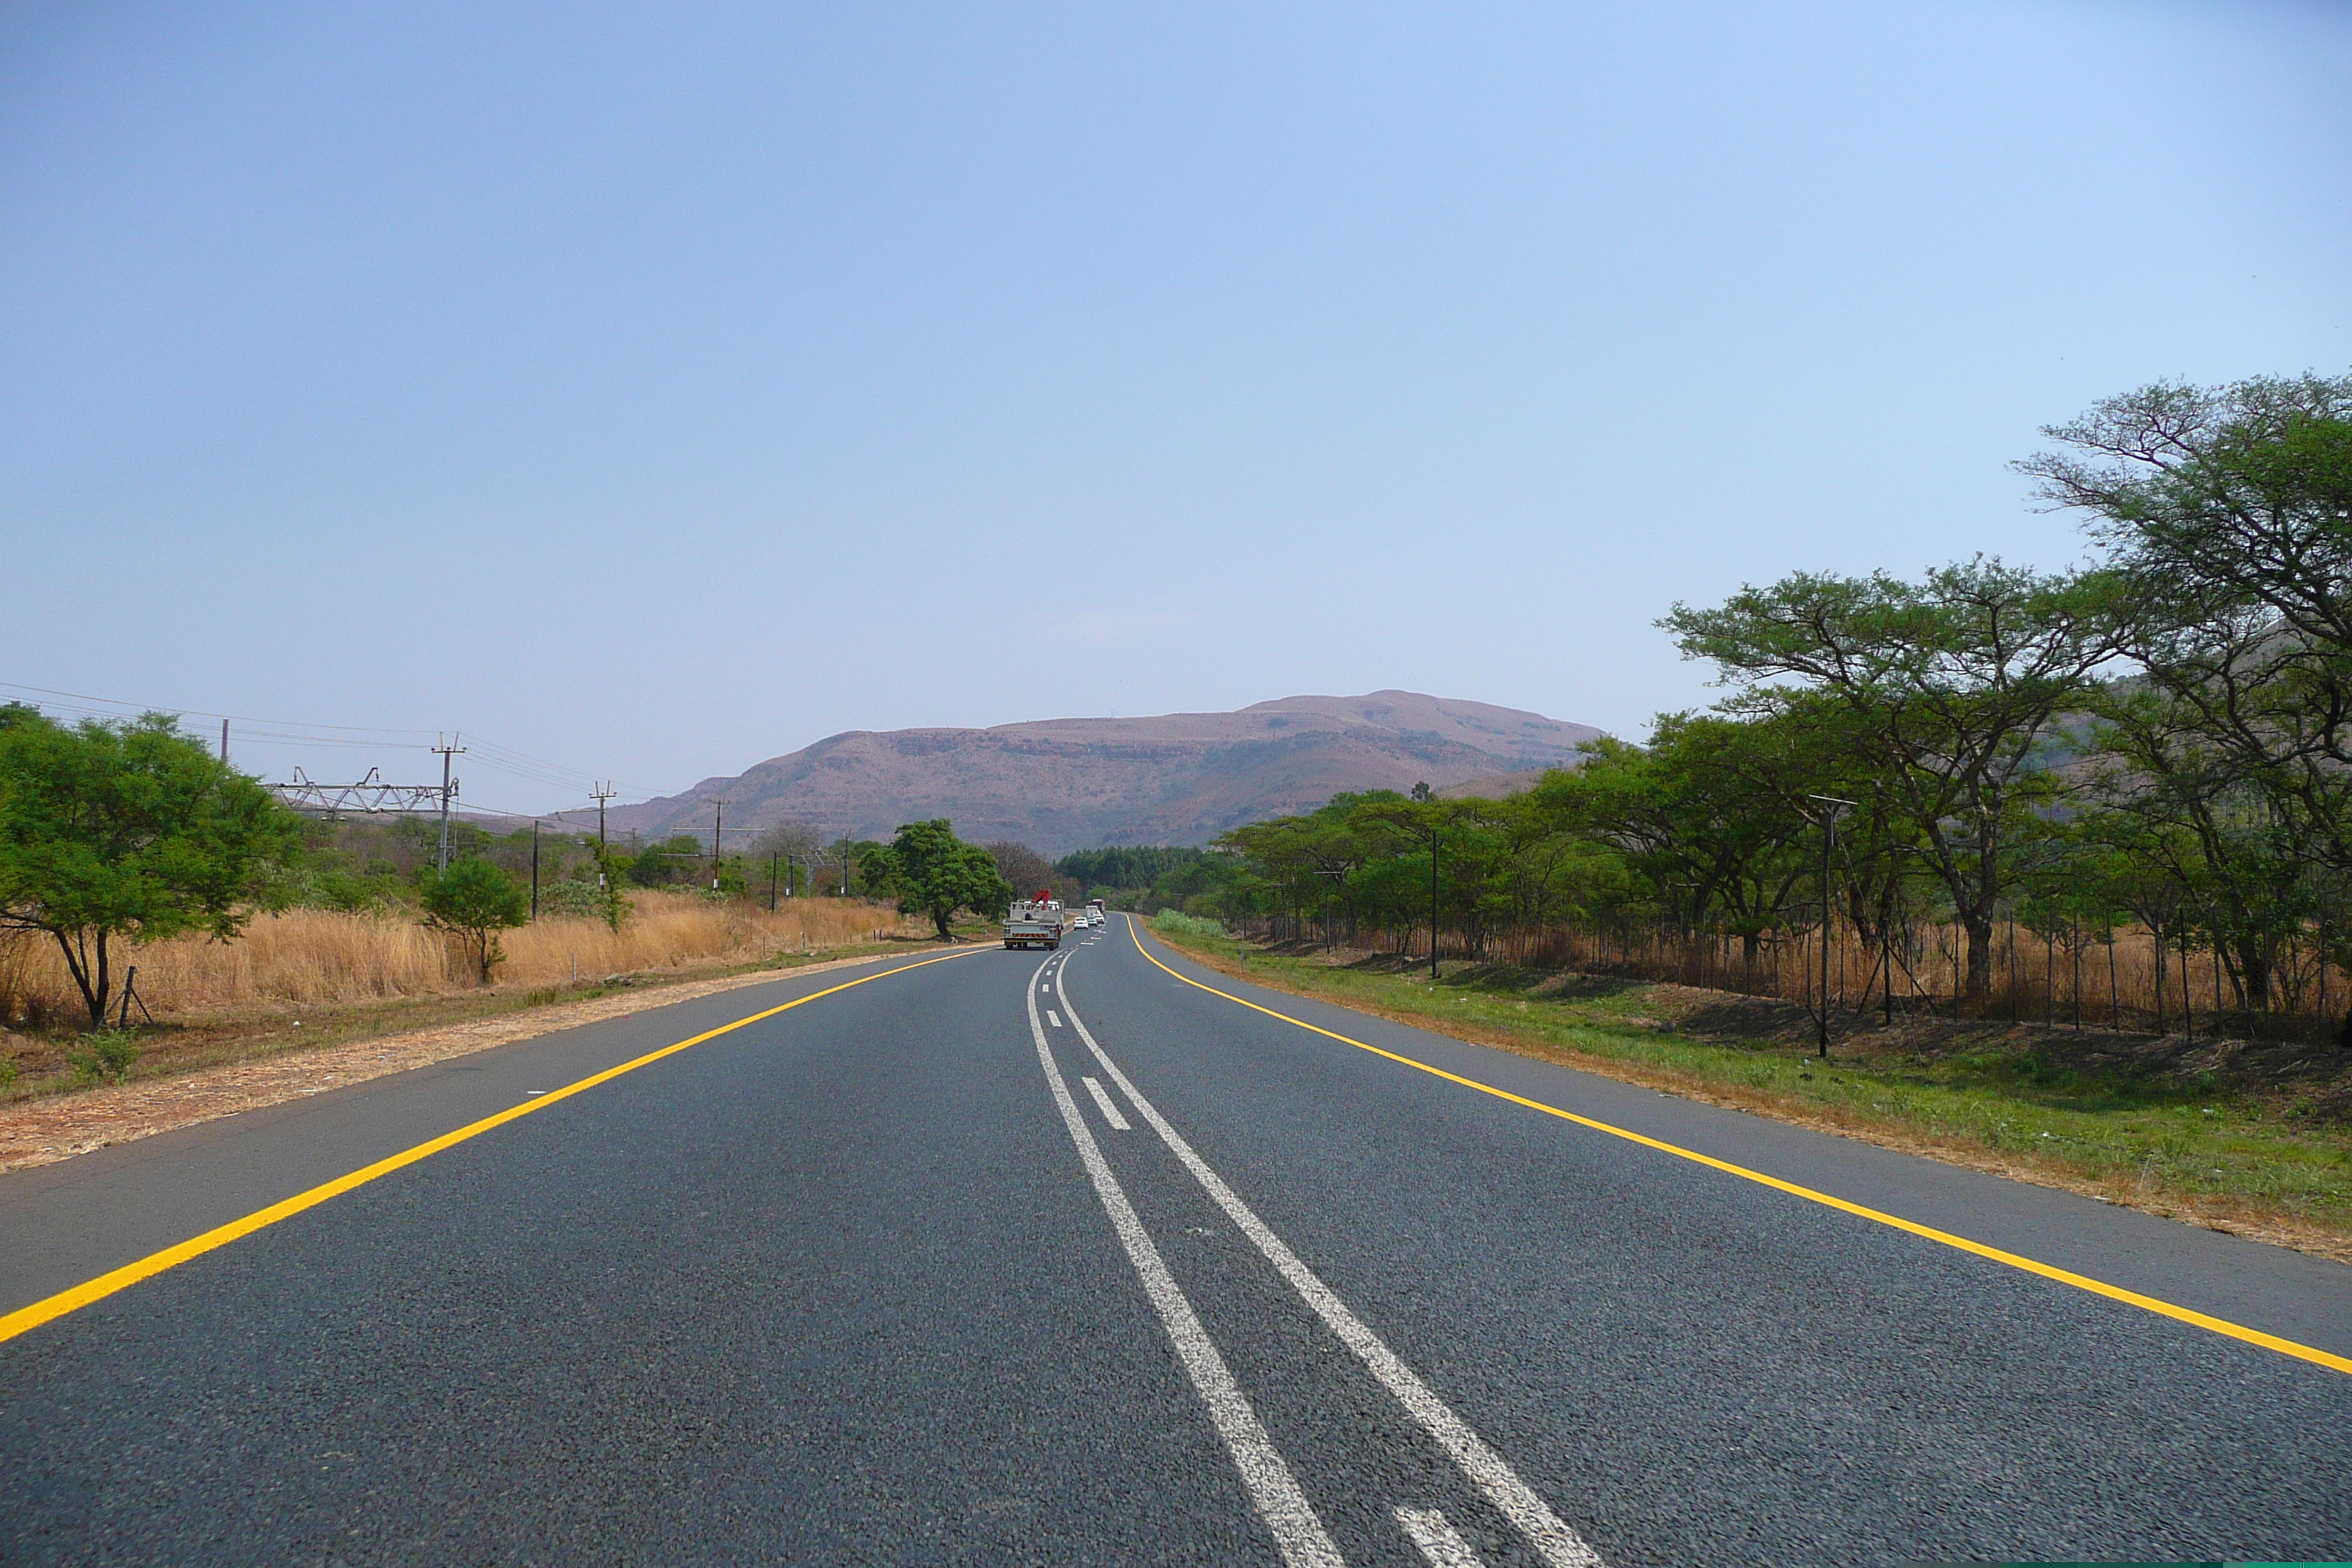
{"x":1034,"y":922}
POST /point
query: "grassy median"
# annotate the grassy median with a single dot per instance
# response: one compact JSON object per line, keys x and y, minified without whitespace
{"x":2236,"y":1137}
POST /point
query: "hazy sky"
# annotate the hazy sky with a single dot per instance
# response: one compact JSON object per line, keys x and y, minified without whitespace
{"x":655,"y":390}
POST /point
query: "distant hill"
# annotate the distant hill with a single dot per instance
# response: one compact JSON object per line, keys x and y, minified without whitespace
{"x":1496,"y":786}
{"x":1076,"y":783}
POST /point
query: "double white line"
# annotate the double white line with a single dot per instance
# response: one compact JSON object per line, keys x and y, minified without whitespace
{"x":1298,"y":1532}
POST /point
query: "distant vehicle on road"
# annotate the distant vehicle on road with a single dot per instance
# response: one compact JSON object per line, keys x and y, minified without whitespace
{"x":1096,"y":913}
{"x":1034,"y":922}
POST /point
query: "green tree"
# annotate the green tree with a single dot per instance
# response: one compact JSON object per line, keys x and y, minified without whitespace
{"x":2229,"y":510}
{"x":671,"y":861}
{"x":612,"y":904}
{"x":936,"y":874}
{"x":129,"y":831}
{"x":473,"y":901}
{"x":1951,"y":686}
{"x":1713,"y":808}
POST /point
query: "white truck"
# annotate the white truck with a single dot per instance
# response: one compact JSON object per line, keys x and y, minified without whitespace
{"x":1034,"y":922}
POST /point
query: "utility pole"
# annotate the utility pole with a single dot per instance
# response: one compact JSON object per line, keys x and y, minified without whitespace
{"x":601,"y":793}
{"x":718,"y":816}
{"x":448,"y":786}
{"x":224,"y":742}
{"x":534,"y":867}
{"x":772,"y":881}
{"x":1829,"y":836}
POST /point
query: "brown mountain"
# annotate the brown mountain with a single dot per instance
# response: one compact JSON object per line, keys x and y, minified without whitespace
{"x":1072,"y":783}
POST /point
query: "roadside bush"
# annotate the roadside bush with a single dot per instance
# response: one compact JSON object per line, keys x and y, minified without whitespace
{"x":581,"y":897}
{"x":1174,"y":924}
{"x":105,"y":1057}
{"x":473,"y":902}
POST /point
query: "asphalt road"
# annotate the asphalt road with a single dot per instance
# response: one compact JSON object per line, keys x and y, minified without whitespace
{"x":1025,"y":1257}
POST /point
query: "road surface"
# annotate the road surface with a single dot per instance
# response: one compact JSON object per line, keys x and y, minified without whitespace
{"x":1096,"y":1257}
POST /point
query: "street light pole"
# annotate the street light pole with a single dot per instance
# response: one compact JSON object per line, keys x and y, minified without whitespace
{"x":1432,"y":906}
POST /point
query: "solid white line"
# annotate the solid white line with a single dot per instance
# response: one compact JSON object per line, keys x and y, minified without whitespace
{"x":1298,"y":1535}
{"x":1109,"y":1111}
{"x":1056,"y":1017}
{"x":1438,"y":1540}
{"x":1546,"y":1530}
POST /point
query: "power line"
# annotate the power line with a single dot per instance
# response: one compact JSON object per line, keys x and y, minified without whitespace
{"x":498,"y":758}
{"x":239,"y":718}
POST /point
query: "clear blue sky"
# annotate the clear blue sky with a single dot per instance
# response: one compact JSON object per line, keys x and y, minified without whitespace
{"x":656,"y":390}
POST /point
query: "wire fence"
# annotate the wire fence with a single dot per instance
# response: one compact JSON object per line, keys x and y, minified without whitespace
{"x":2121,"y":980}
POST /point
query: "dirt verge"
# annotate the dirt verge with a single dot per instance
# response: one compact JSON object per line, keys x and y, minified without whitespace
{"x":57,"y":1127}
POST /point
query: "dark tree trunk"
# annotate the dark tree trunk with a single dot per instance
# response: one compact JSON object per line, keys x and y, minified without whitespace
{"x":1979,"y":929}
{"x":2253,"y":978}
{"x":90,"y":973}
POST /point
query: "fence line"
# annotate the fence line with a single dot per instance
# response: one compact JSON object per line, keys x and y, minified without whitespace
{"x":2060,"y":978}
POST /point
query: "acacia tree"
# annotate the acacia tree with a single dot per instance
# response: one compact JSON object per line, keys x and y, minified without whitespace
{"x":936,"y":874}
{"x":127,"y":831}
{"x":1950,"y":684}
{"x":2236,"y":847}
{"x":2229,"y":512}
{"x":1713,"y":806}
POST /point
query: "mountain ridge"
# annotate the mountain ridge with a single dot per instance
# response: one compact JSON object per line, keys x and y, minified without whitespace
{"x":1060,"y":784}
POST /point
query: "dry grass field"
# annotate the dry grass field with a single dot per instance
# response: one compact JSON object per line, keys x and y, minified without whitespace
{"x":2060,"y":977}
{"x":306,"y":956}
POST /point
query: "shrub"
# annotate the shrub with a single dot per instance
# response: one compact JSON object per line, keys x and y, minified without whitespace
{"x":1173,"y":923}
{"x":578,"y":897}
{"x":105,"y":1057}
{"x":473,"y":902}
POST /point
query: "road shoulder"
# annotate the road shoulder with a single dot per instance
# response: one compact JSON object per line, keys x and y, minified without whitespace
{"x":42,"y":1132}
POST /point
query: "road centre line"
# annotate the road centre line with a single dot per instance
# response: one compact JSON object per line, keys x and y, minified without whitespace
{"x":1551,"y":1535}
{"x":1055,"y":1017}
{"x":2014,"y":1260}
{"x":1103,"y":1102}
{"x":1298,"y":1535}
{"x":79,"y":1296}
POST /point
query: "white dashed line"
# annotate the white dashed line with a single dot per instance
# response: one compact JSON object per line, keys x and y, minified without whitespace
{"x":1109,"y":1111}
{"x":1298,"y":1535}
{"x":1055,"y":1016}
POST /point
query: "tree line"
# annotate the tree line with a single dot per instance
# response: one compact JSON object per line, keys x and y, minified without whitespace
{"x":2157,"y":741}
{"x":115,"y":833}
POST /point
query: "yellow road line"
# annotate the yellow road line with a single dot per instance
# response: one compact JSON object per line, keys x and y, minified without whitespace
{"x":105,"y":1285}
{"x":2030,"y":1265}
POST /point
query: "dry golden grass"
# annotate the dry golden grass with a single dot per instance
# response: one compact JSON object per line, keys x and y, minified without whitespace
{"x":318,"y":955}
